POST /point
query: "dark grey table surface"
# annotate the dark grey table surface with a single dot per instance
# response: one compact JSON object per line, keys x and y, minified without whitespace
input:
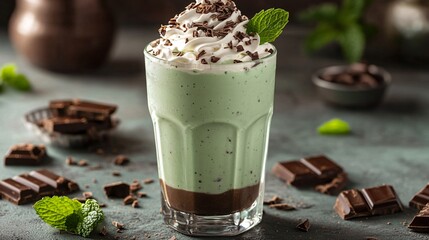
{"x":388,"y":145}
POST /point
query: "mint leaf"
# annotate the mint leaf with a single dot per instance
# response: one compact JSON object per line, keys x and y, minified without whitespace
{"x":334,"y":127}
{"x":320,"y":37}
{"x":268,"y":24}
{"x":352,"y":42}
{"x":10,"y":76}
{"x":92,"y":216}
{"x":325,"y":12}
{"x":8,"y":72}
{"x":56,"y":211}
{"x":352,"y":10}
{"x":20,"y":82}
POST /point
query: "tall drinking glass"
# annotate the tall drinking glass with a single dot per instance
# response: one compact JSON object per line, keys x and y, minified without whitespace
{"x":211,"y":124}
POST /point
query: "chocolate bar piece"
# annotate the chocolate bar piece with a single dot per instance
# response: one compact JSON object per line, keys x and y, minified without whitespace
{"x":59,"y":107}
{"x":90,"y":110}
{"x":379,"y":200}
{"x":62,"y":185}
{"x":66,"y":125}
{"x":351,"y":204}
{"x":382,"y":200}
{"x":16,"y":192}
{"x":41,"y":188}
{"x":309,"y":171}
{"x":25,"y":155}
{"x":420,"y":222}
{"x":117,"y":190}
{"x":421,"y":198}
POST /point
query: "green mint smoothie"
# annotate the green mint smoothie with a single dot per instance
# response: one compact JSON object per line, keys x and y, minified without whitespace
{"x":211,"y":125}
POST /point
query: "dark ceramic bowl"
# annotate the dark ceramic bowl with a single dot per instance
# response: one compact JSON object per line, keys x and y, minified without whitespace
{"x":351,"y":96}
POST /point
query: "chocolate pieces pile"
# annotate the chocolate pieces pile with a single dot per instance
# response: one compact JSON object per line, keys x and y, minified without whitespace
{"x":379,"y":200}
{"x":319,"y":172}
{"x":78,"y":117}
{"x":30,"y":187}
{"x":358,"y":75}
{"x":25,"y":155}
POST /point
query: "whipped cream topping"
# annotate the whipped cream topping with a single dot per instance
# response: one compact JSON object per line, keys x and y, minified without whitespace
{"x":208,"y":32}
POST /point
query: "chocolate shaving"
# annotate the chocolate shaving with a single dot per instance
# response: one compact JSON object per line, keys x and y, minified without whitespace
{"x":240,"y":48}
{"x":214,"y":59}
{"x":203,"y":61}
{"x":237,"y":61}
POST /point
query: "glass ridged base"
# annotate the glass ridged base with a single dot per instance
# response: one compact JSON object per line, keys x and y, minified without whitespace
{"x":223,"y":225}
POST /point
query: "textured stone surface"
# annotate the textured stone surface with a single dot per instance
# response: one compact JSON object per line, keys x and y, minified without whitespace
{"x":388,"y":145}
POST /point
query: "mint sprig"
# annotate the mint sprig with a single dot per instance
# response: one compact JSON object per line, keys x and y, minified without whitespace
{"x":334,"y":127}
{"x":341,"y":24}
{"x":268,"y":24}
{"x":10,"y":76}
{"x":70,"y":215}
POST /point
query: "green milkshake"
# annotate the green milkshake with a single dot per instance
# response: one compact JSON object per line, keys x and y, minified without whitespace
{"x":210,"y":95}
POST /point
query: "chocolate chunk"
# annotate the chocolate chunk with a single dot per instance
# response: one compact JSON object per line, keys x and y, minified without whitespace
{"x":335,"y":186}
{"x":309,"y":171}
{"x":273,"y":200}
{"x":25,"y":155}
{"x":282,"y":206}
{"x":304,"y":225}
{"x":379,"y":200}
{"x":382,"y":200}
{"x":295,"y":173}
{"x":135,"y":204}
{"x":148,"y":181}
{"x":141,"y":194}
{"x":420,"y":222}
{"x":117,"y":190}
{"x":116,"y":174}
{"x":322,"y":166}
{"x":63,"y":186}
{"x":121,"y":160}
{"x":82,"y":163}
{"x":421,"y":198}
{"x":66,"y":125}
{"x":59,"y":107}
{"x":70,"y":161}
{"x":118,"y":225}
{"x":129,"y":199}
{"x":41,"y":188}
{"x":135,"y":186}
{"x":90,"y":110}
{"x":351,"y":204}
{"x":16,"y":192}
{"x":87,"y":195}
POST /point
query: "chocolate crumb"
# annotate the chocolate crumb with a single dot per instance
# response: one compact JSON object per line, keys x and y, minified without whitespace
{"x":203,"y":61}
{"x":240,"y":48}
{"x":94,"y":180}
{"x":282,"y":206}
{"x":82,"y":163}
{"x":129,"y":199}
{"x":121,"y":160}
{"x":116,"y":174}
{"x":99,"y":151}
{"x":96,"y":167}
{"x":80,"y":199}
{"x":371,"y":238}
{"x":148,"y":181}
{"x":135,"y":204}
{"x":86,"y":186}
{"x":273,"y":200}
{"x":103,"y":231}
{"x":237,"y":61}
{"x":304,"y":225}
{"x":102,"y":205}
{"x":214,"y":59}
{"x":173,"y":238}
{"x":118,"y":225}
{"x":87,"y":195}
{"x":141,"y":194}
{"x":135,"y":186}
{"x":70,"y":161}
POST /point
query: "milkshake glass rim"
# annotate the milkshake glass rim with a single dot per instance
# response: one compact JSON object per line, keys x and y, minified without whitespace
{"x":242,"y":66}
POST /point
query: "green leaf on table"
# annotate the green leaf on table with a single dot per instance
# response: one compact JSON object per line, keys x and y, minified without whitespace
{"x":326,"y":12}
{"x":352,"y":42}
{"x":334,"y":127}
{"x":268,"y":24}
{"x":59,"y":212}
{"x":92,"y":216}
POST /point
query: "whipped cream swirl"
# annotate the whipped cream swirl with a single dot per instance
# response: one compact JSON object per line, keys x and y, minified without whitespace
{"x":208,"y":32}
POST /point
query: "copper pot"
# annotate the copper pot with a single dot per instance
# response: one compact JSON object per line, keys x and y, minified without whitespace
{"x":63,"y":35}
